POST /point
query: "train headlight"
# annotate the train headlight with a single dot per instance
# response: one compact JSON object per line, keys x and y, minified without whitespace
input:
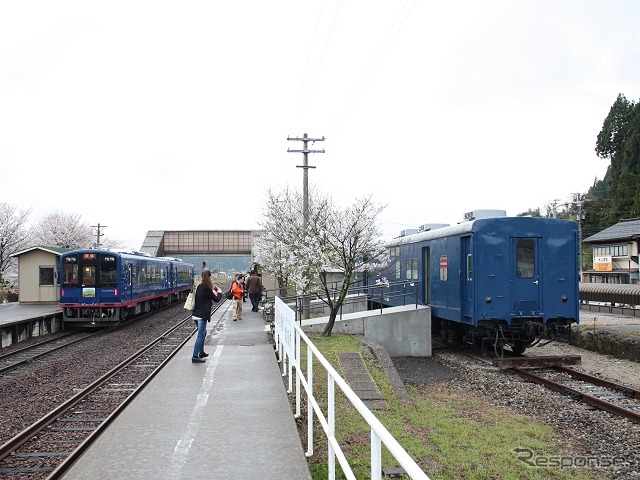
{"x":488,"y":300}
{"x":565,"y":298}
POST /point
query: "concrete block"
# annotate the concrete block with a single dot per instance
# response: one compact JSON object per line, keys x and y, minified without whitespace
{"x":403,"y":331}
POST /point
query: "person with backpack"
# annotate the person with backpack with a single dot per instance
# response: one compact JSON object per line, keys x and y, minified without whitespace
{"x":237,"y":287}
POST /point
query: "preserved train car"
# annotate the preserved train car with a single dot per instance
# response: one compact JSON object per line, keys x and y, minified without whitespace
{"x":104,"y":287}
{"x":492,"y":282}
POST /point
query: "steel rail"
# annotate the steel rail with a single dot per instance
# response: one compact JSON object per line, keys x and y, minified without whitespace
{"x":36,"y":345}
{"x":28,"y":433}
{"x":25,"y":350}
{"x":630,"y":392}
{"x":578,"y":395}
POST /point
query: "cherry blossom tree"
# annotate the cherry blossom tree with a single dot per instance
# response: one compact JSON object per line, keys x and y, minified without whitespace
{"x":282,"y":248}
{"x":14,"y":235}
{"x":63,"y":230}
{"x":346,"y":239}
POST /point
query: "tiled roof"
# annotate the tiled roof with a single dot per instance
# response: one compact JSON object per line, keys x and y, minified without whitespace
{"x":628,"y":229}
{"x":54,"y":250}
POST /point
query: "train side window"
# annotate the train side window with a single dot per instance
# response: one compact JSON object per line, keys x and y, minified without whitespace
{"x":140,"y":275}
{"x":398,"y":269}
{"x":412,"y":269}
{"x":469,"y":268}
{"x":525,"y":258}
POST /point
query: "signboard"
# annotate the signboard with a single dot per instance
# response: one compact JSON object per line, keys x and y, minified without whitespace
{"x":602,"y":263}
{"x":444,"y":274}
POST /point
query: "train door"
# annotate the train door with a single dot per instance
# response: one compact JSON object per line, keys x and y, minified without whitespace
{"x":525,"y":276}
{"x":128,"y":283}
{"x":426,"y":283}
{"x":466,"y":279}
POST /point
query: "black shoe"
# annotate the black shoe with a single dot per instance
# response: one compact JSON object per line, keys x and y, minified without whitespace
{"x":203,"y":355}
{"x":197,"y":360}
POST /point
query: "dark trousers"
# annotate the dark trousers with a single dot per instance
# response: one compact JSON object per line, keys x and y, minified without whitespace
{"x":255,"y":300}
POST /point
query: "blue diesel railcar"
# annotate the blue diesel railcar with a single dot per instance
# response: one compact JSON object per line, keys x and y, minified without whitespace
{"x":493,"y":282}
{"x":104,"y":287}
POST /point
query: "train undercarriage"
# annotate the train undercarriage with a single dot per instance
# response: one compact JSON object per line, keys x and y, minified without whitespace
{"x":102,"y":316}
{"x":495,"y":335}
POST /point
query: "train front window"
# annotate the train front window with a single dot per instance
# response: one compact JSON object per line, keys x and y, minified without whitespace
{"x":70,"y":271}
{"x":89,"y":275}
{"x":525,"y":258}
{"x":108,"y":271}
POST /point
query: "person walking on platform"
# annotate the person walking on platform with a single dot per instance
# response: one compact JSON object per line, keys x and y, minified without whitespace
{"x":206,"y":292}
{"x":237,"y":287}
{"x":254,"y":287}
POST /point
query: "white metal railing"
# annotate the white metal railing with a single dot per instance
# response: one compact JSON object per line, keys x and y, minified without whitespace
{"x":289,"y":337}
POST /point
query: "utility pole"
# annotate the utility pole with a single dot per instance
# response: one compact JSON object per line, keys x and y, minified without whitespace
{"x":98,"y":234}
{"x":554,"y":211}
{"x":305,"y":191}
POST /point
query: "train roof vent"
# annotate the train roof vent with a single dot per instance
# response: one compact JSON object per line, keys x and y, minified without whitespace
{"x":408,"y":231}
{"x":431,"y":226}
{"x":478,"y":214}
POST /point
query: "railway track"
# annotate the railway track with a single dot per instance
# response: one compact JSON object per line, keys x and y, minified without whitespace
{"x":602,"y":394}
{"x":553,"y":373}
{"x":50,"y":445}
{"x":21,"y":356}
{"x":29,"y":353}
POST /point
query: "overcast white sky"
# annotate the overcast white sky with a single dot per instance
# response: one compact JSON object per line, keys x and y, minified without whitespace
{"x":156,"y":115}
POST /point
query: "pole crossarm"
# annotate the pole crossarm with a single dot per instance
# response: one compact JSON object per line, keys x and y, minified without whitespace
{"x":306,"y":139}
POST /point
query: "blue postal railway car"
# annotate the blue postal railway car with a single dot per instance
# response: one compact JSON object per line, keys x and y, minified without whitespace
{"x":493,"y":282}
{"x":104,"y":287}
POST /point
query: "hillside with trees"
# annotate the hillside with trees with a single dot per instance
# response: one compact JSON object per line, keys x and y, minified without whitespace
{"x":617,"y":195}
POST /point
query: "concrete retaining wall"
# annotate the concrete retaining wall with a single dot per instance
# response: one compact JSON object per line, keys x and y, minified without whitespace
{"x":403,"y":331}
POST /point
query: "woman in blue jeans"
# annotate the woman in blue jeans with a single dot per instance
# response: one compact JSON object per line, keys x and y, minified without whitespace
{"x":206,"y":293}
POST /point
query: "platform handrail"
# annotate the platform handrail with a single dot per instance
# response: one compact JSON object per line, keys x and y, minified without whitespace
{"x":289,"y":338}
{"x":382,"y":295}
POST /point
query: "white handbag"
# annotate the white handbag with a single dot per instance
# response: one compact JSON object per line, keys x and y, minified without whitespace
{"x":190,"y":304}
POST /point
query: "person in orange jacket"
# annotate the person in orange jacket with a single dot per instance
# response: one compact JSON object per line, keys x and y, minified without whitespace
{"x":237,"y":287}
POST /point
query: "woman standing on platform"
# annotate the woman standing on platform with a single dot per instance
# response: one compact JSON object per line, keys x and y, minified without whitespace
{"x":206,"y":293}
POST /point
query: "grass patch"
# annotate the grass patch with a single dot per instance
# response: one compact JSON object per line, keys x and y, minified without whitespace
{"x":450,"y":436}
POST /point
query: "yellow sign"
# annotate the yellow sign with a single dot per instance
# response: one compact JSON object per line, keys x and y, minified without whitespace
{"x":602,"y":267}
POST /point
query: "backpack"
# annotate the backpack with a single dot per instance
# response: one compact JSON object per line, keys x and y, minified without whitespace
{"x":229,"y":293}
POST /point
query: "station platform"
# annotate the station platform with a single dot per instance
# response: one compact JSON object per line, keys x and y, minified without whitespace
{"x":227,"y":418}
{"x":21,"y":321}
{"x":16,"y":312}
